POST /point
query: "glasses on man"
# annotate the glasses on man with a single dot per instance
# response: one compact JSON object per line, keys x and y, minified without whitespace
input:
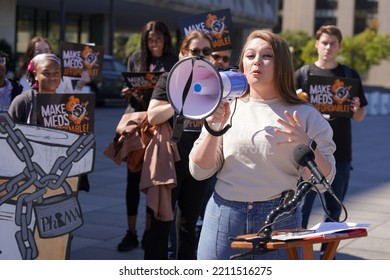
{"x":197,"y":52}
{"x":3,"y":60}
{"x":217,"y":57}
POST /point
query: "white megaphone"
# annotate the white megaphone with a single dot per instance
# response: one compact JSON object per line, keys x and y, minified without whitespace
{"x":195,"y":88}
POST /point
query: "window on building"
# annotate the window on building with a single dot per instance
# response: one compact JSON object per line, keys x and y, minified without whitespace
{"x":365,"y":11}
{"x":325,"y":13}
{"x":77,"y":27}
{"x":31,"y":22}
{"x":24,"y":28}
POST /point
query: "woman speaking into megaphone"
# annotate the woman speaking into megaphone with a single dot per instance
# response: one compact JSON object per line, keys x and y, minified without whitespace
{"x":254,"y":158}
{"x":188,"y":192}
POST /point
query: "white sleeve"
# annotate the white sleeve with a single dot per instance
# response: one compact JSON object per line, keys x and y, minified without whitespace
{"x":65,"y":85}
{"x":199,"y":173}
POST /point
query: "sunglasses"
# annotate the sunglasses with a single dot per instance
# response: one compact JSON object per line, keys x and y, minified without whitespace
{"x":196,"y":52}
{"x":3,"y":60}
{"x":224,"y":58}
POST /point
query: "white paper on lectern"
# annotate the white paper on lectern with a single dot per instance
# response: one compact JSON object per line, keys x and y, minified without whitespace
{"x":322,"y":229}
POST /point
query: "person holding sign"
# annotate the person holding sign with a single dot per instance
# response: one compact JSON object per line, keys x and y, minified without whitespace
{"x":155,"y":55}
{"x":38,"y":45}
{"x":44,"y":73}
{"x":254,"y":158}
{"x":52,"y":239}
{"x":328,"y":43}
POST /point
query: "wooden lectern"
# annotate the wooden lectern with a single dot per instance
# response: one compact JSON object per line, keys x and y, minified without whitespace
{"x":307,"y":244}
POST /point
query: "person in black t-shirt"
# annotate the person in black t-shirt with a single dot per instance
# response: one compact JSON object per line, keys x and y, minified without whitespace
{"x":328,"y":43}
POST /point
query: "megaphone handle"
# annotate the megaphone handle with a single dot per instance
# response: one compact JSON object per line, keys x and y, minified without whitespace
{"x":178,"y":128}
{"x":216,"y":133}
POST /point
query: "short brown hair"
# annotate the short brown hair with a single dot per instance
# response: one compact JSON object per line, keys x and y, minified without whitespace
{"x":330,"y":30}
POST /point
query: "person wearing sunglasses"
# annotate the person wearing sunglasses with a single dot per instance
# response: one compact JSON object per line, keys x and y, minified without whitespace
{"x":9,"y":88}
{"x":221,"y":59}
{"x":205,"y":52}
{"x":189,"y":193}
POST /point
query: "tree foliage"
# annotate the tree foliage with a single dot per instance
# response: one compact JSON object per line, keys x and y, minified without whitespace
{"x":309,"y":52}
{"x":365,"y":50}
{"x":120,"y":47}
{"x":133,"y":43}
{"x":296,"y":41}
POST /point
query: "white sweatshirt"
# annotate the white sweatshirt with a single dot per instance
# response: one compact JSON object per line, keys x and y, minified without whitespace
{"x":252,"y":167}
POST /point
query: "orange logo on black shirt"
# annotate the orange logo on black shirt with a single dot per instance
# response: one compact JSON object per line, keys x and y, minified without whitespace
{"x":77,"y":109}
{"x":340,"y":91}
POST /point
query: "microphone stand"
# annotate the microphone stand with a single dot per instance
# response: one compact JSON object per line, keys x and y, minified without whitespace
{"x":303,"y":188}
{"x":265,"y":233}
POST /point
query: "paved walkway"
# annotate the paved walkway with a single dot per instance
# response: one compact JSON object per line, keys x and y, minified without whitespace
{"x":368,"y":200}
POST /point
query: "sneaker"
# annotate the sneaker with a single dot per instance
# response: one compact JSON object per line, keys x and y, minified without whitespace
{"x":129,"y":242}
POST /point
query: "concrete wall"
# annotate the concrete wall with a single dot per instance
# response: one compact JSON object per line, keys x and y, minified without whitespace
{"x":379,"y":74}
{"x":345,"y":16}
{"x":298,"y":15}
{"x":8,"y":21}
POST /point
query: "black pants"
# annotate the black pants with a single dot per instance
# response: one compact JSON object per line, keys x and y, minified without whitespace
{"x":132,"y":192}
{"x":189,"y":195}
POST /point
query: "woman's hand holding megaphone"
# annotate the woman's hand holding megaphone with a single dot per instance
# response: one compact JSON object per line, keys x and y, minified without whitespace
{"x":220,"y":116}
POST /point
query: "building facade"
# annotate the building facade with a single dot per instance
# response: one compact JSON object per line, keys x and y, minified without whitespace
{"x":97,"y":21}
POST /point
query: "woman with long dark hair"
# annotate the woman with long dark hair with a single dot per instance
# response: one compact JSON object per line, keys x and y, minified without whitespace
{"x":155,"y":55}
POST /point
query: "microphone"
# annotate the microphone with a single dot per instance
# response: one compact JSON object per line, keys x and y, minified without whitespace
{"x":304,"y":156}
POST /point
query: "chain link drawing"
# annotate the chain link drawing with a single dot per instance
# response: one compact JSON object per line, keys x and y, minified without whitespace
{"x":22,"y":193}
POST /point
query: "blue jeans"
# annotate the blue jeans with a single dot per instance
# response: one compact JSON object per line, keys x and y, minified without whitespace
{"x":340,"y":188}
{"x":224,"y":219}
